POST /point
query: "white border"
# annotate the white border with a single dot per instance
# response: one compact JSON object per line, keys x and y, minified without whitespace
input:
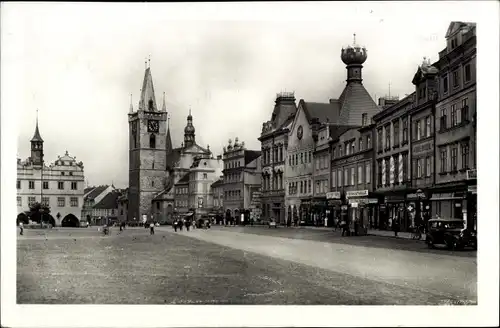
{"x":486,"y":313}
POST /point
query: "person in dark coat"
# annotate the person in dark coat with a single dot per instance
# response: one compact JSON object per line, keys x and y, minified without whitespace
{"x":356,"y":227}
{"x":395,"y":226}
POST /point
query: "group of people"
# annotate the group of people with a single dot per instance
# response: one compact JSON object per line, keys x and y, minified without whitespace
{"x":180,"y":223}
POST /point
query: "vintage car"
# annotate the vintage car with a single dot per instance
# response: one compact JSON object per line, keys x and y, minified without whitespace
{"x":450,"y":233}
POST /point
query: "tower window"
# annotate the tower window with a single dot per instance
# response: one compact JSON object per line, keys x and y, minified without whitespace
{"x":152,"y":183}
{"x":150,"y":104}
{"x":152,"y":141}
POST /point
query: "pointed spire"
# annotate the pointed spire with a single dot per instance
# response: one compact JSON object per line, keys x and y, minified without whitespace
{"x":131,"y":106}
{"x":354,"y":41}
{"x":147,"y":101}
{"x":36,"y":136}
{"x":164,"y":106}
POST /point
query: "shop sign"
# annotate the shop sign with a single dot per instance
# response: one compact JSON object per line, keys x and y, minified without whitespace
{"x":349,"y":159}
{"x":417,"y":195}
{"x":393,"y":199}
{"x":354,"y":205}
{"x":334,"y":202}
{"x":333,"y":195}
{"x":344,"y":207}
{"x":372,"y":201}
{"x":472,"y":174}
{"x":448,"y":196}
{"x":356,"y":193}
{"x":472,"y":189}
{"x":305,"y":202}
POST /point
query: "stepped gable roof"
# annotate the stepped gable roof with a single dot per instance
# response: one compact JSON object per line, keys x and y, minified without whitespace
{"x":110,"y":201}
{"x":250,"y":155}
{"x":217,"y":183}
{"x":353,"y":102}
{"x":324,"y":112}
{"x":96,"y":192}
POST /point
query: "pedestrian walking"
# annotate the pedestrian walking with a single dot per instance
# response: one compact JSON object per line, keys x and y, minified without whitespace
{"x":151,"y":228}
{"x":335,"y":224}
{"x":395,"y":226}
{"x":343,"y":226}
{"x":188,"y":224}
{"x":21,"y":228}
{"x":356,"y":226}
{"x":174,"y":224}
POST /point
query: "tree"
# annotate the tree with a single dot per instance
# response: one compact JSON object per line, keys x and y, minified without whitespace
{"x":36,"y":211}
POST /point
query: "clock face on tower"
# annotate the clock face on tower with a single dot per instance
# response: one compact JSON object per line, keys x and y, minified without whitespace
{"x":153,"y":126}
{"x":300,"y":132}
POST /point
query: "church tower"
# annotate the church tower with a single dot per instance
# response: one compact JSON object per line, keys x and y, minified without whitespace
{"x":37,"y":146}
{"x":189,"y":135}
{"x":147,"y":150}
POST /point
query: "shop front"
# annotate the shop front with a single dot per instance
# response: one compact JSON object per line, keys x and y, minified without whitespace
{"x":305,"y":212}
{"x":361,"y":209}
{"x":320,"y":212}
{"x":419,"y":210}
{"x":451,"y":205}
{"x":334,"y":204}
{"x":471,"y":218}
{"x":393,"y":208}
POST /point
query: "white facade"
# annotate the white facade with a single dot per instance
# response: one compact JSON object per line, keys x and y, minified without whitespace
{"x":59,"y":185}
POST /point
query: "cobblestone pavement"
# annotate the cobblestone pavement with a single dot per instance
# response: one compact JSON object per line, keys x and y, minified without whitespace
{"x":78,"y":266}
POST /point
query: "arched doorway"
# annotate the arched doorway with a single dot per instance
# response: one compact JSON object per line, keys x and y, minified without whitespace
{"x":47,"y":218}
{"x":70,"y":221}
{"x":22,"y":217}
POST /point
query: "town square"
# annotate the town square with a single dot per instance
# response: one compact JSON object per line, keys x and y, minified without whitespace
{"x":167,"y":160}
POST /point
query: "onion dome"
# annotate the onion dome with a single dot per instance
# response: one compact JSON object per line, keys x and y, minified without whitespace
{"x":354,"y":54}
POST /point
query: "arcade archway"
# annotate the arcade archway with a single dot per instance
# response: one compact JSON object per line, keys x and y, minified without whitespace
{"x":70,"y":221}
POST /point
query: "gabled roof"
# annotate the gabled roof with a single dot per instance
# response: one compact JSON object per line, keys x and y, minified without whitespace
{"x":96,"y":192}
{"x":337,"y":130}
{"x":454,"y":26}
{"x":250,"y":155}
{"x":324,"y":112}
{"x":217,"y":183}
{"x":354,"y":102}
{"x":87,"y":190}
{"x":184,"y":179}
{"x":110,"y":201}
{"x":147,"y":92}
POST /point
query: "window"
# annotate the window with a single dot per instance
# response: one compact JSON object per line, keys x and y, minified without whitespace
{"x":387,"y":171}
{"x":443,"y":155}
{"x":465,"y":155}
{"x":360,"y":146}
{"x":428,"y":166}
{"x":301,"y":187}
{"x":310,"y":156}
{"x":152,"y":141}
{"x":45,"y":185}
{"x":387,"y":137}
{"x":428,"y":126}
{"x":296,"y":159}
{"x":419,"y":130}
{"x":310,"y":185}
{"x":339,"y":178}
{"x":152,"y":183}
{"x":317,"y":163}
{"x":62,"y":173}
{"x":395,"y":126}
{"x":405,"y":130}
{"x":360,"y":174}
{"x":396,"y":169}
{"x":60,"y":185}
{"x":353,"y":176}
{"x":334,"y":178}
{"x":455,"y":78}
{"x":18,"y":184}
{"x":19,"y":201}
{"x":454,"y":154}
{"x":445,"y":84}
{"x":465,"y":109}
{"x":379,"y":172}
{"x":281,"y":153}
{"x":379,"y":140}
{"x":317,"y":187}
{"x":368,"y":172}
{"x":364,"y":119}
{"x":73,"y":185}
{"x":419,"y":168}
{"x":453,"y":115}
{"x":46,"y":201}
{"x":368,"y":141}
{"x":467,"y":73}
{"x":204,"y":176}
{"x":73,"y":201}
{"x":353,"y":147}
{"x":61,"y":201}
{"x":31,"y":200}
{"x":405,"y":166}
{"x":301,"y":158}
{"x":31,"y":184}
{"x":347,"y":149}
{"x":340,"y":151}
{"x":346,"y":177}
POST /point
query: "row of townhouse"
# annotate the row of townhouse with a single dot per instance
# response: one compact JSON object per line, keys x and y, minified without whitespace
{"x":405,"y":160}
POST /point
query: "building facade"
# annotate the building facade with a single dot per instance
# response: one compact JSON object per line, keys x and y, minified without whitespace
{"x":91,"y":199}
{"x":106,"y":210}
{"x":59,"y":185}
{"x":392,"y":163}
{"x":242,"y":176}
{"x":455,"y":192}
{"x":274,"y":143}
{"x":217,"y":190}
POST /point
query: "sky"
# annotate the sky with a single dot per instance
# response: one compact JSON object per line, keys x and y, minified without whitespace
{"x":78,"y":64}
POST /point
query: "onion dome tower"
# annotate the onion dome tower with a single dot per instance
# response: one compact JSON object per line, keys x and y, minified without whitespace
{"x":189,"y":131}
{"x":354,"y":56}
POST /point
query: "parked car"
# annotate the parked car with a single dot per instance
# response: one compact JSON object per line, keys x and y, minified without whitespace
{"x":450,"y":233}
{"x":84,"y":224}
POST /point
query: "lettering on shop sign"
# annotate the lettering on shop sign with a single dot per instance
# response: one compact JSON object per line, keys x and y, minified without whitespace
{"x":472,"y":174}
{"x":356,"y":193}
{"x":350,"y":159}
{"x":333,"y":195}
{"x":423,"y":147}
{"x":418,"y":195}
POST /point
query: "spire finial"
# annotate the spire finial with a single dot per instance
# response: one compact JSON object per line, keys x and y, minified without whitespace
{"x":37,"y":117}
{"x":168,"y":121}
{"x":149,"y":61}
{"x":131,"y":106}
{"x":164,"y":106}
{"x":354,"y":42}
{"x":189,"y":110}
